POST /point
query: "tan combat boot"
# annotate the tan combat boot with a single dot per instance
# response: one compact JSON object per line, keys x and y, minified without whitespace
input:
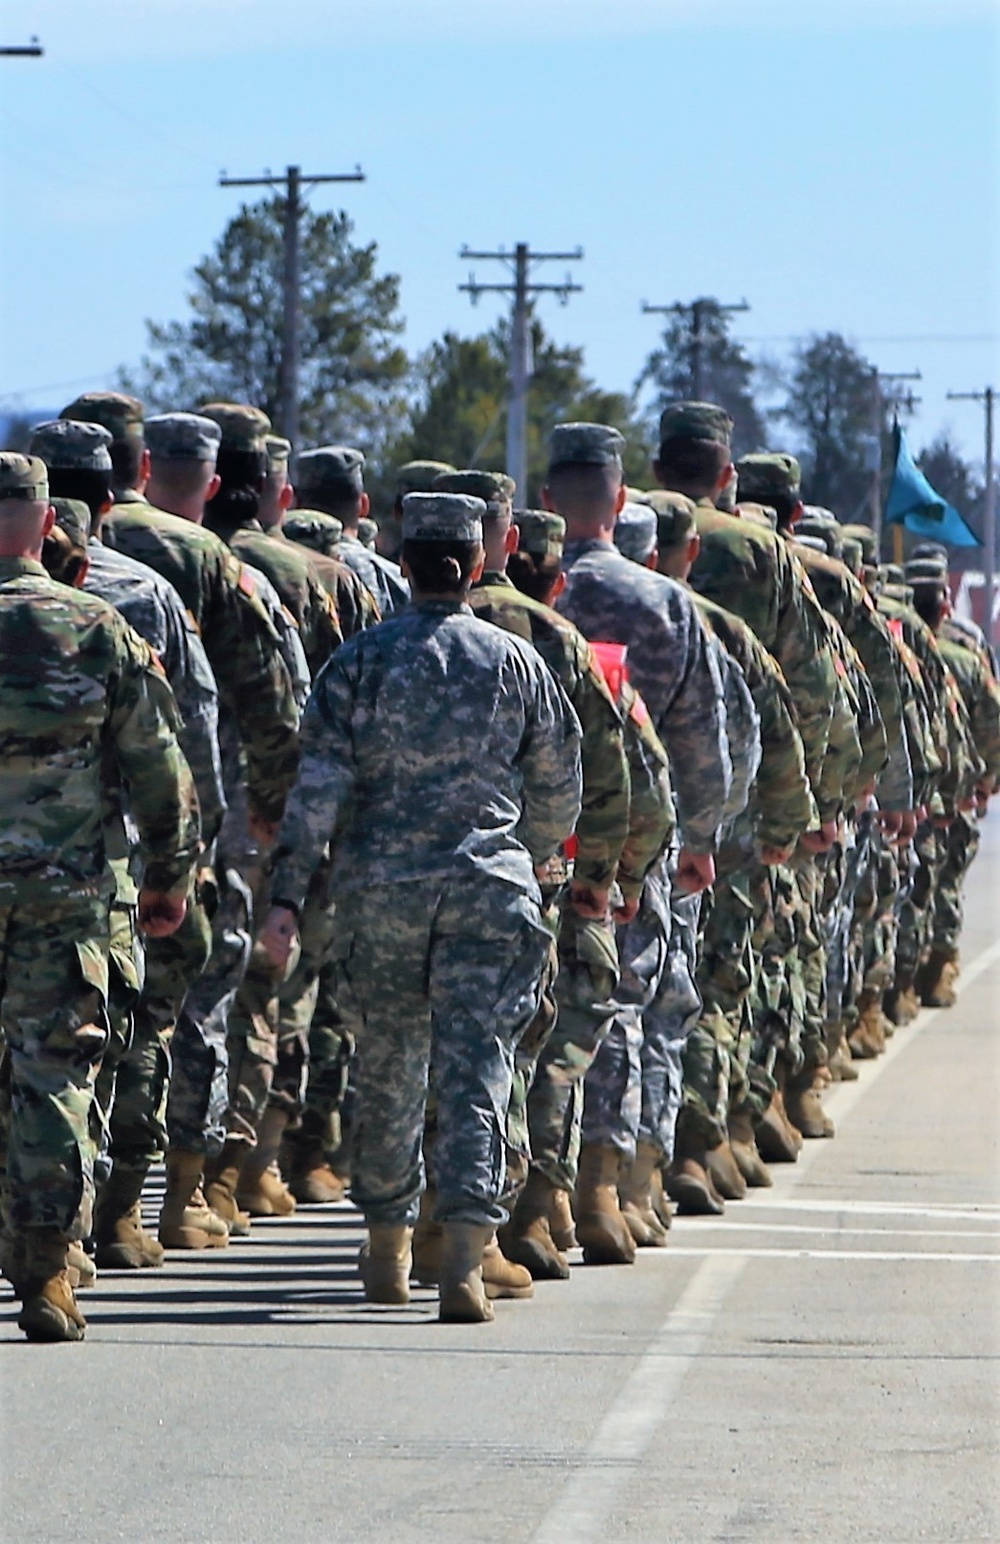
{"x":804,"y":1107}
{"x":80,"y":1267}
{"x":687,"y":1181}
{"x":384,"y":1263}
{"x":935,"y":980}
{"x":463,"y":1297}
{"x":635,"y":1195}
{"x":503,"y":1277}
{"x":222,"y":1180}
{"x":562,"y":1224}
{"x":743,"y":1145}
{"x":527,"y":1239}
{"x":725,"y":1173}
{"x":842,"y":1065}
{"x":261,"y":1191}
{"x":311,"y":1180}
{"x":50,"y":1311}
{"x":778,"y":1141}
{"x":600,"y":1227}
{"x":867,"y":1038}
{"x":428,"y":1237}
{"x":186,"y":1220}
{"x":122,"y":1242}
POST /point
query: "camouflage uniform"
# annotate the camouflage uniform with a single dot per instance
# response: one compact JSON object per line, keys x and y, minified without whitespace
{"x":75,"y":677}
{"x":445,"y":736}
{"x":336,"y":470}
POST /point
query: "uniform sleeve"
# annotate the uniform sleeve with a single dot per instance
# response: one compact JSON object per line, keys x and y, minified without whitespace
{"x":652,"y":817}
{"x":802,"y":649}
{"x":549,"y":762}
{"x":142,"y":733}
{"x":871,"y":637}
{"x":787,"y":807}
{"x":742,"y":731}
{"x":327,"y":774}
{"x":604,"y":815}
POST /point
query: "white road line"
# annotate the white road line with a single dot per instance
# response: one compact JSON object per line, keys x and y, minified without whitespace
{"x":934,"y":1211}
{"x":825,"y":1254}
{"x":581,"y":1512}
{"x":831,"y":1231}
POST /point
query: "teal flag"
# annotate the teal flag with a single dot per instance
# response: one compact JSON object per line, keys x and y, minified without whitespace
{"x":912,"y":502}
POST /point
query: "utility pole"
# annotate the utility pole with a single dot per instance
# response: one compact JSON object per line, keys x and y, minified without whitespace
{"x":294,"y":183}
{"x":696,"y":311}
{"x":987,"y":398}
{"x":520,"y":262}
{"x":881,"y":379}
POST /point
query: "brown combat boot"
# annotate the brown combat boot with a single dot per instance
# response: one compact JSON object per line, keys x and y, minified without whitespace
{"x":687,"y":1181}
{"x":659,"y":1197}
{"x":743,"y":1146}
{"x":50,"y":1311}
{"x":80,"y":1267}
{"x":385,"y":1262}
{"x":503,"y":1277}
{"x":428,"y":1238}
{"x":562,"y":1224}
{"x":526,"y":1239}
{"x":778,"y":1141}
{"x":842,"y":1066}
{"x":804,"y":1106}
{"x":122,"y":1242}
{"x":725,"y":1173}
{"x":635,"y":1195}
{"x":935,"y":980}
{"x":311,"y":1180}
{"x":901,"y":1003}
{"x":463,"y":1298}
{"x":867,"y":1038}
{"x":601,"y":1229}
{"x":186,"y":1220}
{"x":261,"y":1191}
{"x":222,"y":1180}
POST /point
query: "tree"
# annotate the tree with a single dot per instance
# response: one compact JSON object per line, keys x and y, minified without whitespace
{"x":711,"y":366}
{"x":352,"y":369}
{"x":831,"y":402}
{"x":460,"y":414}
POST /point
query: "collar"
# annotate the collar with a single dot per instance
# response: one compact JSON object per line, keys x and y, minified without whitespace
{"x":492,"y":578}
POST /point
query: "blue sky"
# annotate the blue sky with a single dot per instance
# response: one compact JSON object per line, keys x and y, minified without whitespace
{"x":835,"y":164}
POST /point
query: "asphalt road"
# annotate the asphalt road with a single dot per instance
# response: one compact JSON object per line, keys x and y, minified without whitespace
{"x":820,"y":1364}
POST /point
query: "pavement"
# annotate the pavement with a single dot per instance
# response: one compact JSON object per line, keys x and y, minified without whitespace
{"x":820,"y":1364}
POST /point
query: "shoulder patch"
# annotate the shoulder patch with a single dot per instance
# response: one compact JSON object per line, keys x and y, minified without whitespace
{"x":246,"y":584}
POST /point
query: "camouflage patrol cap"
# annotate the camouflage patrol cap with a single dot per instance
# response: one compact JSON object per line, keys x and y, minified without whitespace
{"x":367,"y":532}
{"x":419,"y":476}
{"x":542,"y":532}
{"x":926,"y":573}
{"x":311,"y":528}
{"x":759,"y":514}
{"x":442,"y":517}
{"x":852,"y":554}
{"x":892,"y":573}
{"x":73,"y":517}
{"x":676,"y":520}
{"x":584,"y":444}
{"x":117,"y":412}
{"x":811,"y":543}
{"x":931,"y":549}
{"x":898,"y":592}
{"x":635,"y":531}
{"x":278,"y":451}
{"x":495,"y":489}
{"x":824,"y":530}
{"x":339,"y":468}
{"x":73,"y":444}
{"x":696,"y":421}
{"x":769,"y":475}
{"x":183,"y":437}
{"x":243,"y":426}
{"x":868,"y":540}
{"x":22,"y":477}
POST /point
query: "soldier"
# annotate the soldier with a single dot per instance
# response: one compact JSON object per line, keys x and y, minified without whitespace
{"x":413,"y":477}
{"x":76,"y":679}
{"x":443,"y":734}
{"x":331,"y":479}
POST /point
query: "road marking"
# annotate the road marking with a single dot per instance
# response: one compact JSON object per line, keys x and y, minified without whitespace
{"x":760,"y":1200}
{"x":581,"y":1512}
{"x":723,"y":1225}
{"x":824,"y":1254}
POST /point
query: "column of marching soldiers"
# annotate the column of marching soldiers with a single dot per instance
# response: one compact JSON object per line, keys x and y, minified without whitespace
{"x":524,"y":887}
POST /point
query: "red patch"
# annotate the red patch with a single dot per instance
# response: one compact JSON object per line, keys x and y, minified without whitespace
{"x":246,"y":583}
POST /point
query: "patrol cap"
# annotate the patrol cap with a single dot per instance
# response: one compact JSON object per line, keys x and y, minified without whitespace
{"x":759,"y":514}
{"x":635,"y":531}
{"x":367,"y":532}
{"x":820,"y":513}
{"x":926,"y":573}
{"x":580,"y":444}
{"x":898,"y":592}
{"x":115,"y":411}
{"x":73,"y":517}
{"x":892,"y":573}
{"x":495,"y":489}
{"x":278,"y":451}
{"x":931,"y":549}
{"x":311,"y":528}
{"x":676,"y":520}
{"x":337,"y":468}
{"x":243,"y":427}
{"x":183,"y":437}
{"x":420,"y":476}
{"x":72,"y":444}
{"x":696,"y":421}
{"x":816,"y":528}
{"x":23,"y":477}
{"x":442,"y":517}
{"x":869,"y":542}
{"x":852,"y":554}
{"x":543,"y":533}
{"x":812,"y":543}
{"x":768,"y":475}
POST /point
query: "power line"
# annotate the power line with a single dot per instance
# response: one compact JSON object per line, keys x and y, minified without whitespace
{"x":522,"y":288}
{"x":294,"y":183}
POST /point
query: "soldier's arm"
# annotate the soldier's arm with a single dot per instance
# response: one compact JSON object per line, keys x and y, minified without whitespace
{"x":802,"y":648}
{"x":743,"y":732}
{"x":324,"y":634}
{"x":604,"y":814}
{"x":787,"y":807}
{"x":870,"y":635}
{"x":549,"y":761}
{"x":652,"y":817}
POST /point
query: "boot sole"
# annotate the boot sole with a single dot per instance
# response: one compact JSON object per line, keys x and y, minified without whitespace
{"x":692,"y":1200}
{"x":542,"y":1265}
{"x":192,"y":1238}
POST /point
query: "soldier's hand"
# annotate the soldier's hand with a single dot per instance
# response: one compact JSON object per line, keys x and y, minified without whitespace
{"x":587,"y":901}
{"x":160,"y":914}
{"x":891,"y":822}
{"x":279,"y":935}
{"x":821,"y":840}
{"x":695,"y":871}
{"x":263,"y":831}
{"x":774,"y":857}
